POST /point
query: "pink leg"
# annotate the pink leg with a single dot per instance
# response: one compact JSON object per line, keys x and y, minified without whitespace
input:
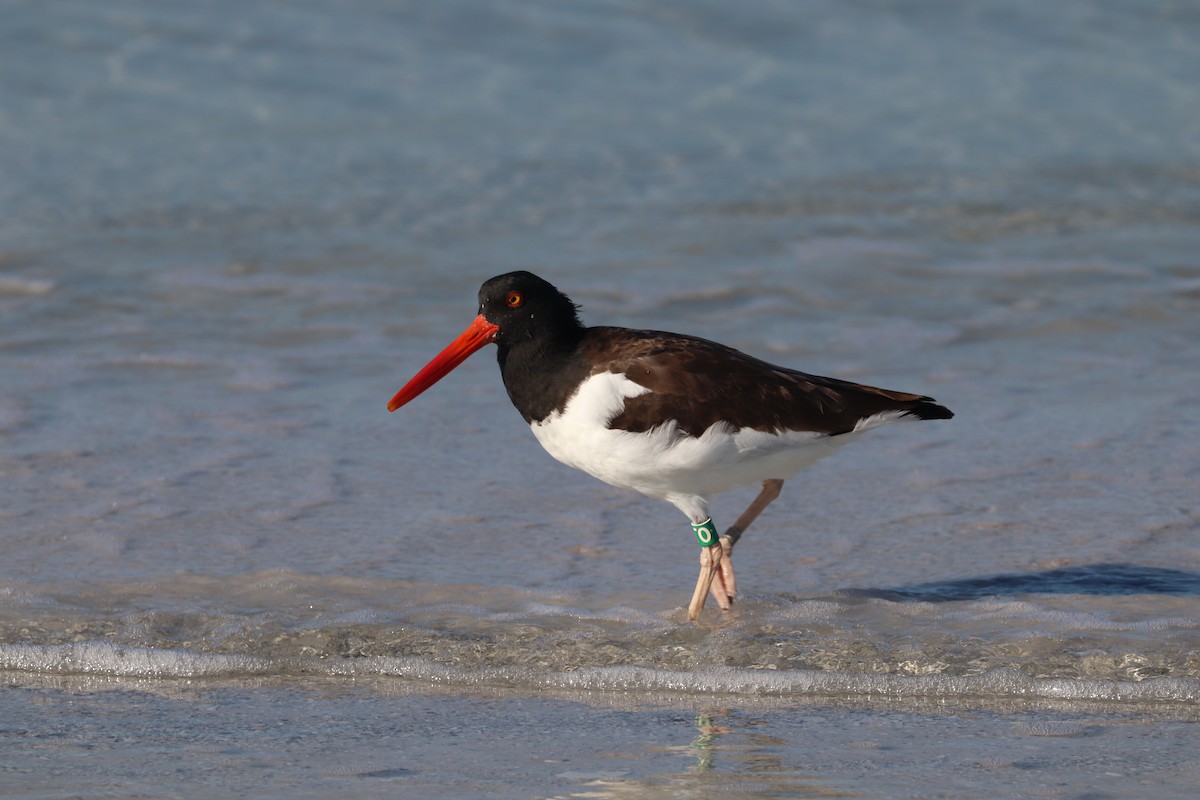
{"x":710,"y":561}
{"x":716,"y":562}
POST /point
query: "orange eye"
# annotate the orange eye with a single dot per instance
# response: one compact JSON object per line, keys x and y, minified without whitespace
{"x":513,"y":299}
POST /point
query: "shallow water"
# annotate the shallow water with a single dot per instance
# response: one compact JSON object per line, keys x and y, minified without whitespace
{"x":230,"y":234}
{"x":383,"y":739}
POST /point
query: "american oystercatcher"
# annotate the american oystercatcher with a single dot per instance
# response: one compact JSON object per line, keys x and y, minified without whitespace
{"x":671,"y":416}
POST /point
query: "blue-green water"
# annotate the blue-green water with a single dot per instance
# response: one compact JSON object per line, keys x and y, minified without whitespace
{"x":231,"y":232}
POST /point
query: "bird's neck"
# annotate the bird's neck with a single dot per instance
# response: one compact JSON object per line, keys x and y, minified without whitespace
{"x":541,"y":374}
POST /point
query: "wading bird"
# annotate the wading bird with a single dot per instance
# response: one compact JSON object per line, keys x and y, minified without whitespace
{"x":674,"y":417}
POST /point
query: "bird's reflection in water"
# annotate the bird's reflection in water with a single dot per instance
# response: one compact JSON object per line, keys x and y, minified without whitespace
{"x":734,"y":758}
{"x":705,"y":744}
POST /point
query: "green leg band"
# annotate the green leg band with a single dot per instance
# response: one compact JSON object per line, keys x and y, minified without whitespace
{"x":706,"y":533}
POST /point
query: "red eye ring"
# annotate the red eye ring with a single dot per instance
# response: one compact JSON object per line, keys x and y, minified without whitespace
{"x":513,"y":299}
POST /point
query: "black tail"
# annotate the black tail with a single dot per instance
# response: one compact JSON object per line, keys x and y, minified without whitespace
{"x":925,"y":408}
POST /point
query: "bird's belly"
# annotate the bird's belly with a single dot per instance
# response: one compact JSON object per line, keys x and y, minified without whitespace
{"x":664,"y":462}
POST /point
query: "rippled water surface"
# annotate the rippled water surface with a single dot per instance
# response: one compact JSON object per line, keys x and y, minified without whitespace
{"x":230,"y":233}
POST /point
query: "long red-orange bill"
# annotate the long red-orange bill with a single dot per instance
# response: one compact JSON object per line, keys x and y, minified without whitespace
{"x":477,"y":334}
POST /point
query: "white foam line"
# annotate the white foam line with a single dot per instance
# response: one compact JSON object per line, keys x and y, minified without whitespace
{"x":105,"y":658}
{"x":997,"y":683}
{"x":1004,"y":683}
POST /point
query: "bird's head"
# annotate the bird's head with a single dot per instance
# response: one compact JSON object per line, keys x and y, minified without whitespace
{"x":524,"y":307}
{"x":514,"y":308}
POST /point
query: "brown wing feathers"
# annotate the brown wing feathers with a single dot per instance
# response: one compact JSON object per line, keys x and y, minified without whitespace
{"x":699,"y":383}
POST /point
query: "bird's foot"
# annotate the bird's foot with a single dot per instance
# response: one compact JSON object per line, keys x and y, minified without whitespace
{"x":716,"y":576}
{"x":724,"y":587}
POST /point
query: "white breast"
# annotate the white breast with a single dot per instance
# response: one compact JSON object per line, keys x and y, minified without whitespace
{"x":664,"y":462}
